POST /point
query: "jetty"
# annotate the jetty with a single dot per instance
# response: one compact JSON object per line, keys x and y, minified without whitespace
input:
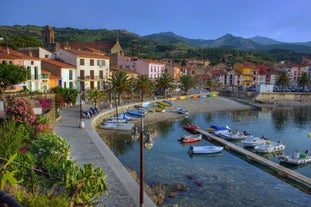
{"x":300,"y":181}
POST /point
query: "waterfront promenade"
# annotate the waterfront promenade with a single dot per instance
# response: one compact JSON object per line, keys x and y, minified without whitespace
{"x":87,"y":147}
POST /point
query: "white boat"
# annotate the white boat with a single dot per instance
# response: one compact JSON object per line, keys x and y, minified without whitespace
{"x":116,"y":120}
{"x":182,"y":111}
{"x":208,"y":149}
{"x":270,"y":147}
{"x":117,"y":126}
{"x":231,"y":135}
{"x":252,"y":141}
{"x":296,"y":158}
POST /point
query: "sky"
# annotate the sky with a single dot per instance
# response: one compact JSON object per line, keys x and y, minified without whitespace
{"x":282,"y":20}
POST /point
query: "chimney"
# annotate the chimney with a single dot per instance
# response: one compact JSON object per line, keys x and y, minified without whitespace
{"x":7,"y":50}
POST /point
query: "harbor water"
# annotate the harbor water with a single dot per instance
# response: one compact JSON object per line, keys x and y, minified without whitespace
{"x":223,"y":179}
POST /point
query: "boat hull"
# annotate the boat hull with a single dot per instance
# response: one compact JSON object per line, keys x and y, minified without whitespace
{"x":209,"y":149}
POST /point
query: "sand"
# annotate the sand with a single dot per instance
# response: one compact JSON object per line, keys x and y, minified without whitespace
{"x":195,"y":106}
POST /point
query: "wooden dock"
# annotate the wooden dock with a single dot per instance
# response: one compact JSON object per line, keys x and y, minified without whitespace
{"x":298,"y":180}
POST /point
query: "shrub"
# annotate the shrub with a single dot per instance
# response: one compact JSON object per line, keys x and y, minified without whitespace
{"x":49,"y":150}
{"x":13,"y":137}
{"x":20,"y":110}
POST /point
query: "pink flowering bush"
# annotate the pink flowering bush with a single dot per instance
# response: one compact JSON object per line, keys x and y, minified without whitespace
{"x":46,"y":104}
{"x":21,"y":111}
{"x":43,"y":125}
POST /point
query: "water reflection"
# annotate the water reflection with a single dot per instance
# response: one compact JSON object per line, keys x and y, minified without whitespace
{"x":224,"y":179}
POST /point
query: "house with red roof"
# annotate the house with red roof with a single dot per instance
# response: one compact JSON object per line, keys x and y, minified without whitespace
{"x":92,"y":69}
{"x":32,"y":64}
{"x":64,"y":74}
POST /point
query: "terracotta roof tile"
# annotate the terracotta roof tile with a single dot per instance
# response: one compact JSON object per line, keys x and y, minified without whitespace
{"x":58,"y":63}
{"x":82,"y":53}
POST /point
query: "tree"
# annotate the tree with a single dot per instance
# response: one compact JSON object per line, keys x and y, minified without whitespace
{"x":303,"y":81}
{"x":210,"y":84}
{"x":11,"y":75}
{"x":16,"y":42}
{"x":120,"y":83}
{"x":187,"y":82}
{"x":95,"y":96}
{"x":283,"y":79}
{"x":143,"y":85}
{"x":165,"y":82}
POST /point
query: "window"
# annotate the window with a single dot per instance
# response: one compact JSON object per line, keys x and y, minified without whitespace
{"x":101,"y":63}
{"x":36,"y":73}
{"x":81,"y":61}
{"x":70,"y":85}
{"x":28,"y":72}
{"x":32,"y":62}
{"x":70,"y":74}
{"x":91,"y":62}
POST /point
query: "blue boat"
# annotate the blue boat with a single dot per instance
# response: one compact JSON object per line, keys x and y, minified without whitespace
{"x":135,"y":113}
{"x":169,"y":102}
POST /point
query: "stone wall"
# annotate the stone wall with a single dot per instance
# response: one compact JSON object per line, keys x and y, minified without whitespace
{"x":267,"y":97}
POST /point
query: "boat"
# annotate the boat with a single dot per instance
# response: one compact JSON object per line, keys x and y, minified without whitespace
{"x":116,"y":120}
{"x":252,"y":141}
{"x":182,"y":111}
{"x":117,"y":126}
{"x":208,"y":149}
{"x":163,"y":103}
{"x":158,"y":109}
{"x":191,"y":127}
{"x":270,"y":147}
{"x":231,"y":135}
{"x":135,"y":113}
{"x":296,"y":158}
{"x":216,"y":129}
{"x":186,"y":139}
{"x":169,"y":102}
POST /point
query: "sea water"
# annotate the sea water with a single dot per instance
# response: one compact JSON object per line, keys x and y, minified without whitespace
{"x":224,"y":179}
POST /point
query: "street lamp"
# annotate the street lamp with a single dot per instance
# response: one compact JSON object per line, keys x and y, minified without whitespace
{"x":81,"y":124}
{"x":142,"y":162}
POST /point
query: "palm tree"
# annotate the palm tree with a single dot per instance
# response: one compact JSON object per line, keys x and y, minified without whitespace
{"x":143,"y":85}
{"x":210,"y":83}
{"x":187,"y":82}
{"x":283,"y":79}
{"x":120,"y":83}
{"x":303,"y":81}
{"x":165,"y":82}
{"x":95,"y":96}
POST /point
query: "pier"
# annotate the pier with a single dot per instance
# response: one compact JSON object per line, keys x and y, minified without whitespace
{"x":300,"y":181}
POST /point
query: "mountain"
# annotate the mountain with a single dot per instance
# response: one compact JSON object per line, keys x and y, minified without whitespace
{"x":159,"y":43}
{"x":228,"y":40}
{"x":264,"y":40}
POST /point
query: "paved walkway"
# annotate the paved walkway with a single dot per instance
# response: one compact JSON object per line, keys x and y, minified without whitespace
{"x":87,"y":147}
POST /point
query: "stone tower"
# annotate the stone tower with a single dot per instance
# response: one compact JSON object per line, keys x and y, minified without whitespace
{"x":48,"y":38}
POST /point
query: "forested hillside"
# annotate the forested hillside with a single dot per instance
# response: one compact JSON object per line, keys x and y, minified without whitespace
{"x":226,"y":49}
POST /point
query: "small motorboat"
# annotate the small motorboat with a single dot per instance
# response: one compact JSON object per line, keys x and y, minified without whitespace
{"x":191,"y":127}
{"x":186,"y":139}
{"x":208,"y":149}
{"x":217,"y":129}
{"x":296,"y":158}
{"x":231,"y":135}
{"x":270,"y":147}
{"x":252,"y":141}
{"x":117,"y":126}
{"x":182,"y":111}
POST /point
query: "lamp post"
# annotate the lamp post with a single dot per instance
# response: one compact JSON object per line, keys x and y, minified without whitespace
{"x":141,"y":193}
{"x":81,"y":124}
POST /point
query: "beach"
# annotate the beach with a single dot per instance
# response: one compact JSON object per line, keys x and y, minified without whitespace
{"x":195,"y":106}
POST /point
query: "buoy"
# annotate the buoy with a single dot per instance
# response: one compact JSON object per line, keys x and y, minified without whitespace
{"x":255,"y":117}
{"x":309,"y":135}
{"x":240,"y":119}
